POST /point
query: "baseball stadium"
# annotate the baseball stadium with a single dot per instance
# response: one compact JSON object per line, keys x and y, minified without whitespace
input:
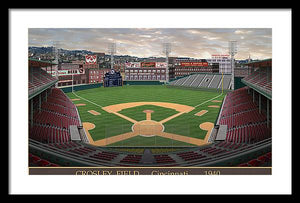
{"x":195,"y":120}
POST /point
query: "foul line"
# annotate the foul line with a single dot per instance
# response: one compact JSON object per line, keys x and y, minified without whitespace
{"x":207,"y":101}
{"x":88,"y":100}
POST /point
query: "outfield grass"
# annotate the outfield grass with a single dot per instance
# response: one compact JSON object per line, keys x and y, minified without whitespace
{"x":108,"y":124}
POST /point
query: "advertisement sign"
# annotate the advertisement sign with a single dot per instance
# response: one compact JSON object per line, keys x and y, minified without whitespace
{"x":68,"y":72}
{"x":148,"y":64}
{"x":133,"y":65}
{"x":91,"y":59}
{"x":193,"y":64}
{"x":161,"y":65}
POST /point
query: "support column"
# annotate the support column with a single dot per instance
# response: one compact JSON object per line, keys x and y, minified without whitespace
{"x":268,"y":112}
{"x":46,"y":95}
{"x":31,"y":112}
{"x":40,"y":103}
{"x":259,"y":103}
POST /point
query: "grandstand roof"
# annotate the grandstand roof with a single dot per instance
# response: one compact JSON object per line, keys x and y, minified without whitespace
{"x":39,"y":63}
{"x":260,"y":63}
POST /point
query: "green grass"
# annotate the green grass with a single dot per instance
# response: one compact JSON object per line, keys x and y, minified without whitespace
{"x":159,"y":113}
{"x":108,"y":124}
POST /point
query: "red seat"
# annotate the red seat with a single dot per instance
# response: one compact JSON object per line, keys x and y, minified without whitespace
{"x":254,"y":162}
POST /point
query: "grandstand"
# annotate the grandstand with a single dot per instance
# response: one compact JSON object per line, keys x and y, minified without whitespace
{"x":241,"y":134}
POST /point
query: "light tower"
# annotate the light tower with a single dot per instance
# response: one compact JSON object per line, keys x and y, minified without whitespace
{"x":232,"y":52}
{"x":167,"y":51}
{"x":56,"y":58}
{"x":112,"y":51}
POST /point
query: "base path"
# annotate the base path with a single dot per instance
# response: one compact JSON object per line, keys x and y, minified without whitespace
{"x":148,"y":127}
{"x":119,"y":107}
{"x":176,"y":107}
{"x":207,"y":126}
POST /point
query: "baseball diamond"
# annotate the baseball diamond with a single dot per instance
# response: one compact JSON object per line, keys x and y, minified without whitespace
{"x":147,"y":115}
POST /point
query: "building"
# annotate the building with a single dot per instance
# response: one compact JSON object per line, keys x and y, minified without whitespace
{"x":145,"y":71}
{"x":90,"y":66}
{"x":183,"y":67}
{"x":96,"y":75}
{"x":223,"y":60}
{"x":119,"y":67}
{"x":65,"y":71}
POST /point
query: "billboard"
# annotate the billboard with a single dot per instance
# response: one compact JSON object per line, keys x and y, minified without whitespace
{"x":193,"y":64}
{"x":148,"y":64}
{"x":161,"y":65}
{"x":133,"y":65}
{"x":91,"y":59}
{"x":67,"y":72}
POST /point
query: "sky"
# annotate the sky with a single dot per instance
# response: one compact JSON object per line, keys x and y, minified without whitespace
{"x":147,"y":42}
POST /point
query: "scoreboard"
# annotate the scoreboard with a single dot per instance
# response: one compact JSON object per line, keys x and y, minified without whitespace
{"x":112,"y":79}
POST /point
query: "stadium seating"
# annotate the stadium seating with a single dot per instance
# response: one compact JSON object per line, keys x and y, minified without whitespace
{"x":132,"y":159}
{"x":244,"y":122}
{"x":203,"y":81}
{"x":37,"y":161}
{"x":190,"y":155}
{"x":38,"y":78}
{"x":103,"y":155}
{"x":163,"y":159}
{"x":263,"y":160}
{"x":51,"y":124}
{"x":261,"y":78}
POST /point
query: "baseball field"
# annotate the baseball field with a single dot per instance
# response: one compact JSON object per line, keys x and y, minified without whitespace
{"x":147,"y":115}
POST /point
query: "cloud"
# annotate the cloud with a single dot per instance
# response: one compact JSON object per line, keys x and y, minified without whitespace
{"x":143,"y":42}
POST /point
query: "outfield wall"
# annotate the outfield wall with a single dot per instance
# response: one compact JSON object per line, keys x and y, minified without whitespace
{"x":143,"y":83}
{"x":80,"y":87}
{"x":97,"y":85}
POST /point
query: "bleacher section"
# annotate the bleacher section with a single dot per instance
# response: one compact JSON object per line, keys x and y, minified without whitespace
{"x":203,"y":81}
